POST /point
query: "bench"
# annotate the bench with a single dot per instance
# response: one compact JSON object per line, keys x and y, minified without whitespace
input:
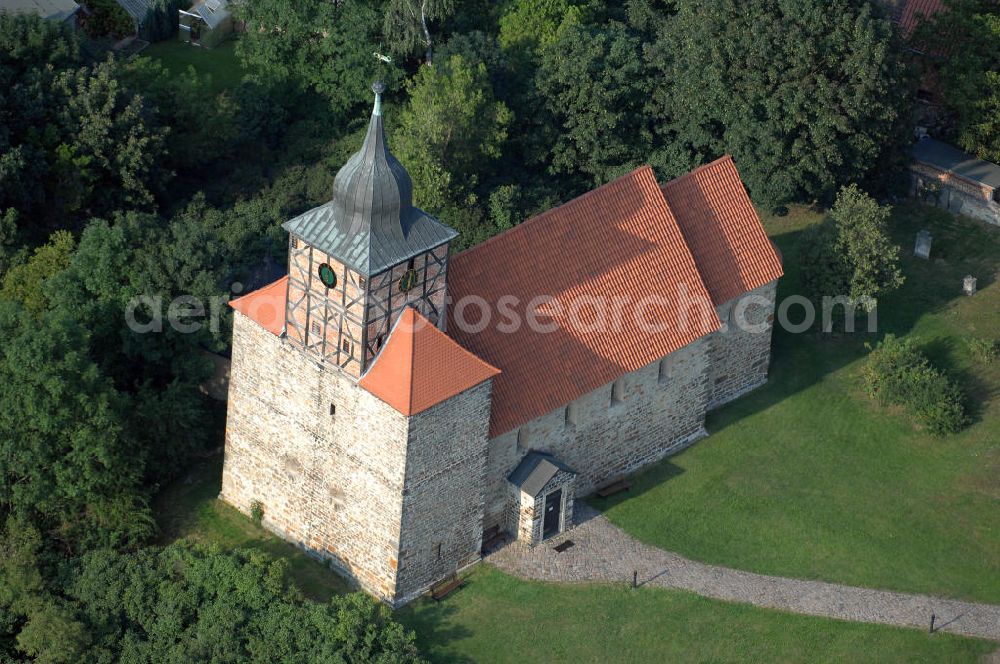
{"x":613,"y":488}
{"x":446,"y":587}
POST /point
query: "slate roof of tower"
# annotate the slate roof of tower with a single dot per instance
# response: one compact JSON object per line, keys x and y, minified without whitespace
{"x":420,"y":366}
{"x":722,"y":229}
{"x":620,"y":240}
{"x":371,"y":223}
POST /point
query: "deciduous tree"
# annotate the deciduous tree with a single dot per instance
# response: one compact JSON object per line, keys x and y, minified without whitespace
{"x":806,"y":96}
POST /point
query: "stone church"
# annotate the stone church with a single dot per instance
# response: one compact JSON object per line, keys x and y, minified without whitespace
{"x":392,"y":405}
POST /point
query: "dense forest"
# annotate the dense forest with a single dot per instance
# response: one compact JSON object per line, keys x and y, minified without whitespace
{"x":119,"y":179}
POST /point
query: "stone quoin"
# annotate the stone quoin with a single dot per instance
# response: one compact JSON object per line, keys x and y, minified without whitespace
{"x":381,"y":434}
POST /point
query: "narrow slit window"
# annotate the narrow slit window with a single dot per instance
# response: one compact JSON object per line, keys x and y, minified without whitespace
{"x":571,"y":414}
{"x":346,"y":346}
{"x":617,"y":392}
{"x":316,"y":329}
{"x":664,"y":371}
{"x":333,"y":409}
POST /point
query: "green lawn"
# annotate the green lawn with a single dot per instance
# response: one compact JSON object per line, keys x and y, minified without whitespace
{"x":220,"y":62}
{"x":807,"y":478}
{"x":497,"y":618}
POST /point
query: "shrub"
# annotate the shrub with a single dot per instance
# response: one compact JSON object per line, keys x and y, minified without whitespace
{"x":986,"y":350}
{"x":257,"y":512}
{"x":898,"y":374}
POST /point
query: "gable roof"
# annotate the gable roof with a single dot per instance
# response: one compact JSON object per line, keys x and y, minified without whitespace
{"x":56,"y":10}
{"x":137,"y":9}
{"x":723,"y":230}
{"x":912,"y":10}
{"x":948,"y":158}
{"x":265,"y":306}
{"x":535,"y":471}
{"x":619,"y":240}
{"x":420,"y":366}
{"x":212,"y":12}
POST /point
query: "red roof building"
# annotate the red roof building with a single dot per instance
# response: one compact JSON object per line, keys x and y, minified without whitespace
{"x":722,"y":229}
{"x":421,"y":366}
{"x":619,"y":242}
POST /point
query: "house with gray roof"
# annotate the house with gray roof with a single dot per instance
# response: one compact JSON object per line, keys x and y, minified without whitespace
{"x":64,"y":11}
{"x":955,"y":180}
{"x":206,"y":23}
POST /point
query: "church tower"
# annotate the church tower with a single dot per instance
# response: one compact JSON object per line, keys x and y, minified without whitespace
{"x":356,"y":262}
{"x":356,"y":427}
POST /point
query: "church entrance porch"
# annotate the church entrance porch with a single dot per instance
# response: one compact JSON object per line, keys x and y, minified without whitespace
{"x":541,"y":500}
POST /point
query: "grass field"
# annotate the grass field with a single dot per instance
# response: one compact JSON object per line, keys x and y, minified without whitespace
{"x":220,"y":62}
{"x":496,"y":618}
{"x":807,"y":478}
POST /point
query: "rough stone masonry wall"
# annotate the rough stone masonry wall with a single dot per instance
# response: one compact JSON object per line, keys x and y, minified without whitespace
{"x":443,"y":496}
{"x":331,"y":483}
{"x":739,"y":358}
{"x":663,"y":410}
{"x":954,"y":194}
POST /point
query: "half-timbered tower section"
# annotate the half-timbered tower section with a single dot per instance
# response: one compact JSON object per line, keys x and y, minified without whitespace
{"x":356,"y":262}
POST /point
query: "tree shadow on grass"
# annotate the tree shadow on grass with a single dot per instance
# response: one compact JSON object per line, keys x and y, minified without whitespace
{"x":436,"y":625}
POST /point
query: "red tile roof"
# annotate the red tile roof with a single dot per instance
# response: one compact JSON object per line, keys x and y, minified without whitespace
{"x":913,"y":9}
{"x":721,"y":226}
{"x":266,"y":306}
{"x":420,"y":366}
{"x":618,"y":241}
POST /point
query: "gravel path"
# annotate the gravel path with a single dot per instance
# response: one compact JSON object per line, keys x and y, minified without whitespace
{"x":604,"y":553}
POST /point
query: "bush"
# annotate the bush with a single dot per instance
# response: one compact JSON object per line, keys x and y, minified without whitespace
{"x":108,"y":19}
{"x":985,"y":350}
{"x":257,"y":512}
{"x":898,"y":374}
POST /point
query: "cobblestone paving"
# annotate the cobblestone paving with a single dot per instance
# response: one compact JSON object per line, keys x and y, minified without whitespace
{"x":604,"y":553}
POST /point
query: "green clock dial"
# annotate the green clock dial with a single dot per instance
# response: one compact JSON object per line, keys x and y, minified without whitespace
{"x":408,"y":280}
{"x":327,"y":276}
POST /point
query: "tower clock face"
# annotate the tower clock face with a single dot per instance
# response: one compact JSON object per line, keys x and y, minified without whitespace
{"x":408,"y":280}
{"x":327,"y":276}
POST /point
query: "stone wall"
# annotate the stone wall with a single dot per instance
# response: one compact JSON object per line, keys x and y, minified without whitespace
{"x":955,"y":194}
{"x":662,"y":409}
{"x":325,"y":458}
{"x":740,"y":352}
{"x":443,"y":495}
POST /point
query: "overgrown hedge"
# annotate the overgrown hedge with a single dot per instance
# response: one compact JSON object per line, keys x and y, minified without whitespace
{"x":898,"y":374}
